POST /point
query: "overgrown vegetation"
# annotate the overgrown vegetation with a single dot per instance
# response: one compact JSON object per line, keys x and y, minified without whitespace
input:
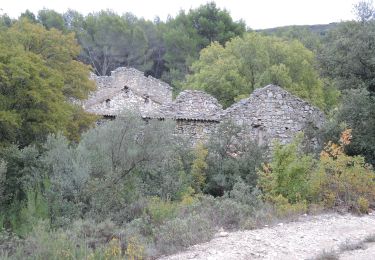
{"x":132,"y":189}
{"x":123,"y":190}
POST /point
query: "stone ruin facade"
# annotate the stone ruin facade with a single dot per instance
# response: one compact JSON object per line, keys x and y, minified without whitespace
{"x":127,"y":88}
{"x":268,"y":113}
{"x":273,"y":113}
{"x":196,"y":114}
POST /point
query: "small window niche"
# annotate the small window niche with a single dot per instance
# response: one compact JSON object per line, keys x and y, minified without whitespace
{"x":259,"y":133}
{"x":108,"y":103}
{"x":125,"y":89}
{"x":146,"y":99}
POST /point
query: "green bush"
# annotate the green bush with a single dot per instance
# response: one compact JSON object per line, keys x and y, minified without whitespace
{"x":160,"y":210}
{"x":342,"y":180}
{"x":199,"y":167}
{"x":43,"y":243}
{"x":292,"y":179}
{"x":246,"y":194}
{"x":284,"y":209}
{"x":178,"y":233}
{"x":288,"y":173}
{"x":230,"y":156}
{"x":22,"y":186}
{"x":32,"y":211}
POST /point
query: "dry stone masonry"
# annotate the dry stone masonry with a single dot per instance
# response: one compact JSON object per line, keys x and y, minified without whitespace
{"x":127,"y":88}
{"x":196,"y":114}
{"x":273,"y":113}
{"x":269,"y":113}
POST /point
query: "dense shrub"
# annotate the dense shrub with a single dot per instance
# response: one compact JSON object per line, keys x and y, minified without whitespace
{"x":342,"y":180}
{"x":22,"y":179}
{"x":43,"y":243}
{"x":288,"y":173}
{"x":231,"y":156}
{"x":293,"y":180}
{"x":145,"y":196}
{"x":178,"y":233}
{"x":199,"y":167}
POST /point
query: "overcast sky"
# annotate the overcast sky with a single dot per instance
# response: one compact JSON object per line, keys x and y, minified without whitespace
{"x":258,"y":14}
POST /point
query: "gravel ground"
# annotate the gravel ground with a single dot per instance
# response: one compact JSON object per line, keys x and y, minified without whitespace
{"x":303,"y":239}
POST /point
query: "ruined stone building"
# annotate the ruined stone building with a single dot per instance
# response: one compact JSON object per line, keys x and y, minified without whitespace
{"x":127,"y":88}
{"x":268,"y":113}
{"x":273,"y":113}
{"x":196,"y":114}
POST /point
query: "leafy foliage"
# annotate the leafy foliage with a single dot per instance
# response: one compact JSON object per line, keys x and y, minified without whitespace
{"x":199,"y":167}
{"x":254,"y":61}
{"x":190,"y":32}
{"x":342,"y":180}
{"x":38,"y":74}
{"x":293,"y":179}
{"x":346,"y":56}
{"x":288,"y":173}
{"x":229,"y":159}
{"x":130,"y":188}
{"x":23,"y":178}
{"x":110,"y":41}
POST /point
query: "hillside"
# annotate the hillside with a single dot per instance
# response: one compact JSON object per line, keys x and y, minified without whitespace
{"x":320,"y":29}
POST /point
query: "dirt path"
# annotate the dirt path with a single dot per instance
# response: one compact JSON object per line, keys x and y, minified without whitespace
{"x":304,"y":239}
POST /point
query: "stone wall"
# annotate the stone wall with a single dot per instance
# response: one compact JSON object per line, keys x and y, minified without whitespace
{"x":127,"y":88}
{"x":195,"y":130}
{"x":114,"y":103}
{"x":157,"y":90}
{"x":269,"y":113}
{"x":101,"y":81}
{"x":191,"y":105}
{"x":273,"y":113}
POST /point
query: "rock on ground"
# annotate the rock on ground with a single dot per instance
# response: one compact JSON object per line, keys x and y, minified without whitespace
{"x":303,"y":239}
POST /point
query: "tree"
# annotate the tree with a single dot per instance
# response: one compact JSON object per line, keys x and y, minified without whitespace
{"x":311,"y":39}
{"x":234,"y":71}
{"x":364,"y":11}
{"x":109,"y":41}
{"x":38,"y":75}
{"x":188,"y":33}
{"x":5,"y":21}
{"x":347,"y":60}
{"x":28,"y":15}
{"x":22,"y":171}
{"x":213,"y":24}
{"x":356,"y":112}
{"x":154,"y":58}
{"x":59,"y":51}
{"x":51,"y":19}
{"x":347,"y":55}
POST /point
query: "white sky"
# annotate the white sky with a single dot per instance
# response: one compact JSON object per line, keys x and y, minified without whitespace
{"x":258,"y":14}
